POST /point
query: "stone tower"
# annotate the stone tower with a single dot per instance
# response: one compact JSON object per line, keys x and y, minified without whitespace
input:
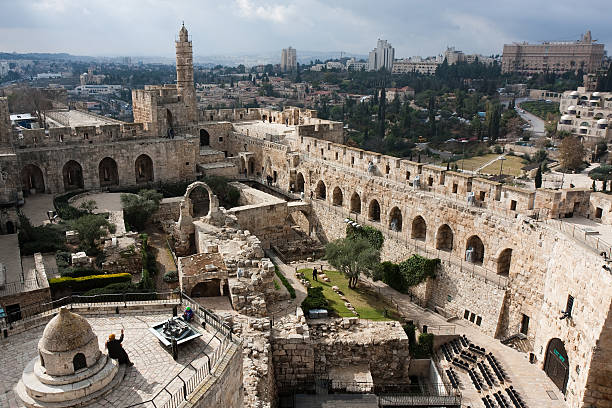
{"x":184,"y":75}
{"x":5,"y":123}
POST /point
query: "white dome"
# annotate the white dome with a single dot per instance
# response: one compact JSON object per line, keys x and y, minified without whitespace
{"x":66,"y":331}
{"x":574,"y":93}
{"x":602,"y":122}
{"x":596,"y":94}
{"x":566,"y":117}
{"x":572,"y":108}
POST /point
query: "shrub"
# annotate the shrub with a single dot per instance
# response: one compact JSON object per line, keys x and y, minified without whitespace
{"x":389,"y":273}
{"x":315,"y":300}
{"x":90,"y":228}
{"x":149,"y":265}
{"x":65,"y":210}
{"x":123,"y":287}
{"x":62,"y":260}
{"x":137,"y":208}
{"x":85,"y":283}
{"x":424,"y":347}
{"x":285,"y":282}
{"x":410,"y":272}
{"x":45,"y":238}
{"x":171,"y":276}
{"x":374,"y":236}
{"x":79,"y":272}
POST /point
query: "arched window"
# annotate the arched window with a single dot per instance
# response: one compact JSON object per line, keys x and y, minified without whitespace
{"x":200,"y":201}
{"x":321,"y":190}
{"x":32,"y":180}
{"x":395,"y":219}
{"x":337,"y":196}
{"x":374,"y":211}
{"x":503,"y":262}
{"x":474,"y":250}
{"x":419,"y":229}
{"x":356,"y":203}
{"x":204,"y":138}
{"x":108,"y":173}
{"x":144,"y":169}
{"x":72,"y":173}
{"x":299,"y":183}
{"x":444,"y":238}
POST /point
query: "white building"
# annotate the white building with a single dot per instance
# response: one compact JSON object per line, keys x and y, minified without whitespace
{"x":406,"y":66}
{"x":288,"y":59}
{"x":334,"y":65}
{"x":586,"y":114}
{"x":4,"y":68}
{"x":96,"y":89}
{"x":381,"y":57}
{"x":353,"y":65}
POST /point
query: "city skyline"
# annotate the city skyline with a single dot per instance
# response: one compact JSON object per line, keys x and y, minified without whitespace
{"x":242,"y":27}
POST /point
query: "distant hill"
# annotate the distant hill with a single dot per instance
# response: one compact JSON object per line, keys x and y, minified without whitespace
{"x":44,"y":56}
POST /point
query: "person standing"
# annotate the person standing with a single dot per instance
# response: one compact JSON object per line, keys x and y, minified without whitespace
{"x":314,"y":274}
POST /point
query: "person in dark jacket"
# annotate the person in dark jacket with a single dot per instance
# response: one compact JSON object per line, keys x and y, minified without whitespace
{"x":116,"y":351}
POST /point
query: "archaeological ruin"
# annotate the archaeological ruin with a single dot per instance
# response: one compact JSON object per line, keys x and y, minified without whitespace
{"x":511,"y":269}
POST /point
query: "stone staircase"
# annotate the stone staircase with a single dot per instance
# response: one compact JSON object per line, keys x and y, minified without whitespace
{"x":518,"y":342}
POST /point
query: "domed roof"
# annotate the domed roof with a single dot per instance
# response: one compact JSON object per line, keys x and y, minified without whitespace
{"x":602,"y":122}
{"x":595,"y":94}
{"x":566,"y":117}
{"x":574,"y":93}
{"x":66,"y":331}
{"x":572,"y":108}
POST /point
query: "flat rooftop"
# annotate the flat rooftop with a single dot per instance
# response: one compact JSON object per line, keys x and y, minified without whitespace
{"x":259,"y":128}
{"x":153,"y":367}
{"x":10,"y":258}
{"x":75,"y":118}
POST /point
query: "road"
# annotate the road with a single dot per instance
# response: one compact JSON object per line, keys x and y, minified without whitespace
{"x":537,"y":124}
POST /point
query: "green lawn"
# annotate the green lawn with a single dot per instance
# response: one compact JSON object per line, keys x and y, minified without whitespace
{"x":368,"y":306}
{"x":473,"y":163}
{"x":541,"y":108}
{"x":512,"y":166}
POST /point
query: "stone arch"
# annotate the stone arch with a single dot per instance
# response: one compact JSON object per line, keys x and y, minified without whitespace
{"x":374,"y":211}
{"x":299,"y":183}
{"x":356,"y":203}
{"x":10,"y":227}
{"x":474,"y":250}
{"x":32,"y":179}
{"x":208,"y":288}
{"x":556,"y":363}
{"x":200,"y":196}
{"x":444,"y":238}
{"x":169,"y":119}
{"x":144,"y":169}
{"x":251,"y":166}
{"x":321,"y":190}
{"x":200,"y":201}
{"x":204,"y":137}
{"x":337,"y":197}
{"x":72,"y":173}
{"x":503,"y":262}
{"x":79,"y":362}
{"x":419,"y":228}
{"x":395,"y":219}
{"x":108,"y":172}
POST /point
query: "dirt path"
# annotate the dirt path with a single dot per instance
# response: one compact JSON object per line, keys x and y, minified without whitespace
{"x":163,"y":258}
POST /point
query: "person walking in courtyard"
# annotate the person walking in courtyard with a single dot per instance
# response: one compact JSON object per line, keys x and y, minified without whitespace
{"x":314,"y":274}
{"x":188,"y":314}
{"x":116,"y":351}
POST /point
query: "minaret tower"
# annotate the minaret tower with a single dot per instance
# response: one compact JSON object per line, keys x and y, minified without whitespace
{"x":184,"y":75}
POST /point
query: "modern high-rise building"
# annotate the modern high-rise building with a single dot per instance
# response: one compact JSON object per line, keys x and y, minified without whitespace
{"x":288,"y":60}
{"x":381,"y":57}
{"x":555,"y":57}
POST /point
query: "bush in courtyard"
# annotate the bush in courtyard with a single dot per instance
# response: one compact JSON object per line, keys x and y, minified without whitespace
{"x":137,"y":208}
{"x":374,"y":236}
{"x":91,"y":227}
{"x":65,"y":210}
{"x":315,"y":300}
{"x":85,"y":283}
{"x":171,"y":276}
{"x":43,"y":239}
{"x":285,"y":282}
{"x":227,"y":194}
{"x":122,"y":287}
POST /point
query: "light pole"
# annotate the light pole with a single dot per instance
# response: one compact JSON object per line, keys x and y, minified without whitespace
{"x":501,"y":166}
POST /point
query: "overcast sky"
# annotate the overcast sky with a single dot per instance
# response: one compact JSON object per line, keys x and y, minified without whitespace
{"x":149,"y":27}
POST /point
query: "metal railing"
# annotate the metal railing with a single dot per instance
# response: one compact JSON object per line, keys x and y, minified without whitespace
{"x":595,"y":243}
{"x":38,"y":310}
{"x":420,"y":247}
{"x":12,"y":288}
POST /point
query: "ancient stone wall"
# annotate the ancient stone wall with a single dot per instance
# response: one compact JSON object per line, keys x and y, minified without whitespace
{"x":224,"y":388}
{"x":124,"y":154}
{"x":5,"y":122}
{"x":169,"y":209}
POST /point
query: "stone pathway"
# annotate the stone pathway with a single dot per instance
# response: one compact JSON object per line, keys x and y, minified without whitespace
{"x":36,"y":207}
